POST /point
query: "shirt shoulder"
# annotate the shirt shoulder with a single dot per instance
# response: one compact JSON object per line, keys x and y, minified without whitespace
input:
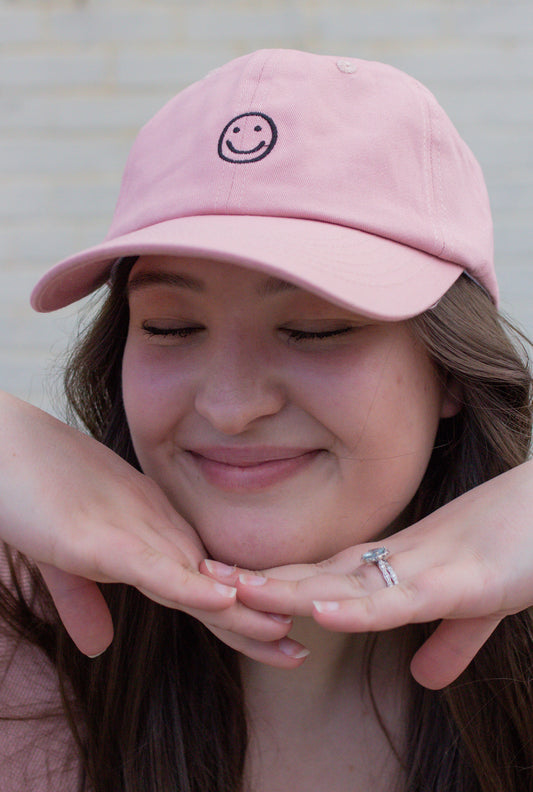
{"x":37,"y":749}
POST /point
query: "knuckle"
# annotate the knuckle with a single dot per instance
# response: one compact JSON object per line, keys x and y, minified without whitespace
{"x":357,"y":582}
{"x":410,"y":591}
{"x":326,"y":564}
{"x":369,"y":608}
{"x":413,"y":601}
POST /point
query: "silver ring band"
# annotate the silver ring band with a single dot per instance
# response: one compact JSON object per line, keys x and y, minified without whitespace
{"x":378,"y":556}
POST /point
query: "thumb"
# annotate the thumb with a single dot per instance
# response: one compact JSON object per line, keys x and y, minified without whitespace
{"x":449,"y":650}
{"x":82,"y":609}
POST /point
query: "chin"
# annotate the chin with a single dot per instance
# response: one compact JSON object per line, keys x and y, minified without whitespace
{"x":254,"y":541}
{"x":271,"y":532}
{"x":254,"y":555}
{"x":262,"y":544}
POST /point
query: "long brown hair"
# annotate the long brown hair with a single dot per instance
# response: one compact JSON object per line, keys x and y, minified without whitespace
{"x":477,"y":734}
{"x":163,"y":708}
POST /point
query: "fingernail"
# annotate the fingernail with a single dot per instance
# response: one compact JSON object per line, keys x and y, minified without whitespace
{"x":253,"y":580}
{"x":326,"y":606}
{"x":280,"y":617}
{"x":218,"y":568}
{"x":292,"y":649}
{"x":227,"y":591}
{"x":93,"y":657}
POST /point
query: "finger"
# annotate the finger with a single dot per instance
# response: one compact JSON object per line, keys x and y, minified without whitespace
{"x":433,"y":594}
{"x":449,"y":650}
{"x":296,"y":597}
{"x":168,"y":580}
{"x":284,"y":653}
{"x":240,"y":620}
{"x":295,"y":587}
{"x":286,"y":591}
{"x":221,"y":572}
{"x":82,"y":609}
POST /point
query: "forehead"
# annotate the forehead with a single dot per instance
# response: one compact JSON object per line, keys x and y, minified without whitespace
{"x":223,"y":282}
{"x":203,"y":276}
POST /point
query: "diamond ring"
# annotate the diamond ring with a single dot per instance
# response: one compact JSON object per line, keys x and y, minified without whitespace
{"x":379,"y":557}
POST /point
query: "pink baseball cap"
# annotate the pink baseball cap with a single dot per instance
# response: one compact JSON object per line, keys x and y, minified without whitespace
{"x":341,"y":175}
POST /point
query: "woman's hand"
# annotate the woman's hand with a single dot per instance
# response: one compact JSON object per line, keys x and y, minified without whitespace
{"x":468,"y":564}
{"x":84,"y":515}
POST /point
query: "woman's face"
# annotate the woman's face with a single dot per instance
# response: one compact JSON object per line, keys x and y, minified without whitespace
{"x":282,"y":427}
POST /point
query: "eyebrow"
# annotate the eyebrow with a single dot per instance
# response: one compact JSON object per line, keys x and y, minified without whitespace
{"x":161,"y":278}
{"x":268,"y":287}
{"x":273,"y":285}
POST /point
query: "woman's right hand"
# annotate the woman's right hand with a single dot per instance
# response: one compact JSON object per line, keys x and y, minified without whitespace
{"x":85,"y":516}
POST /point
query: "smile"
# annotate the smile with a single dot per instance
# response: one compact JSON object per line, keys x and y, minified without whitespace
{"x":250,"y":469}
{"x":249,"y":151}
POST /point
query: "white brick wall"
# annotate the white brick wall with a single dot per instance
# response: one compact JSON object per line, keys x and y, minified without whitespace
{"x":78,"y":77}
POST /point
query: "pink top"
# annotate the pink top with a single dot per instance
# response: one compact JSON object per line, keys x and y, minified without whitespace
{"x":37,"y":754}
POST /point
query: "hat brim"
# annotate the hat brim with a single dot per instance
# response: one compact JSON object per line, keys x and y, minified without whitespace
{"x":362,"y":272}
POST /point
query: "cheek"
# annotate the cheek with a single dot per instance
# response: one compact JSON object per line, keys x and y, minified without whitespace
{"x":153,"y":394}
{"x":403,"y":420}
{"x":347,"y":394}
{"x":387,"y":424}
{"x":362,"y":404}
{"x":411,"y":397}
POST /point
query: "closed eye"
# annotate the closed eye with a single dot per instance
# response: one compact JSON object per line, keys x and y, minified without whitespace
{"x":305,"y":335}
{"x":175,"y":332}
{"x":294,"y":335}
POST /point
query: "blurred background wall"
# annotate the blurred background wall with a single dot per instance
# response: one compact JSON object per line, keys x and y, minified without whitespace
{"x":78,"y":78}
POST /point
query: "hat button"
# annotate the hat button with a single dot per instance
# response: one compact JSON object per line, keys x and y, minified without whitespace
{"x":346,"y":66}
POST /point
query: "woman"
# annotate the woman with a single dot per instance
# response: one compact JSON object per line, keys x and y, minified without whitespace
{"x":348,"y":381}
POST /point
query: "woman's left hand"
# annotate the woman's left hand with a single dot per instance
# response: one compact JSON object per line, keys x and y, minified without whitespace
{"x":469,"y":564}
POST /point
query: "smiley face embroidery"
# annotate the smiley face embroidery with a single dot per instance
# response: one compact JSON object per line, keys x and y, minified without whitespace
{"x":248,"y":137}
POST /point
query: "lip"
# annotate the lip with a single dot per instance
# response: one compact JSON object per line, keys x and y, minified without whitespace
{"x":250,"y":468}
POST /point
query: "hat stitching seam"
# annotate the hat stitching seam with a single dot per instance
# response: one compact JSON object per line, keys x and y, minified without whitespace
{"x":234,"y":173}
{"x":428,"y":182}
{"x":248,"y":105}
{"x":445,"y":247}
{"x":219,"y":204}
{"x":437,"y":180}
{"x":259,"y":84}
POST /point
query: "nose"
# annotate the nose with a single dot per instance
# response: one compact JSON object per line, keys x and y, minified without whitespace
{"x":238,"y":387}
